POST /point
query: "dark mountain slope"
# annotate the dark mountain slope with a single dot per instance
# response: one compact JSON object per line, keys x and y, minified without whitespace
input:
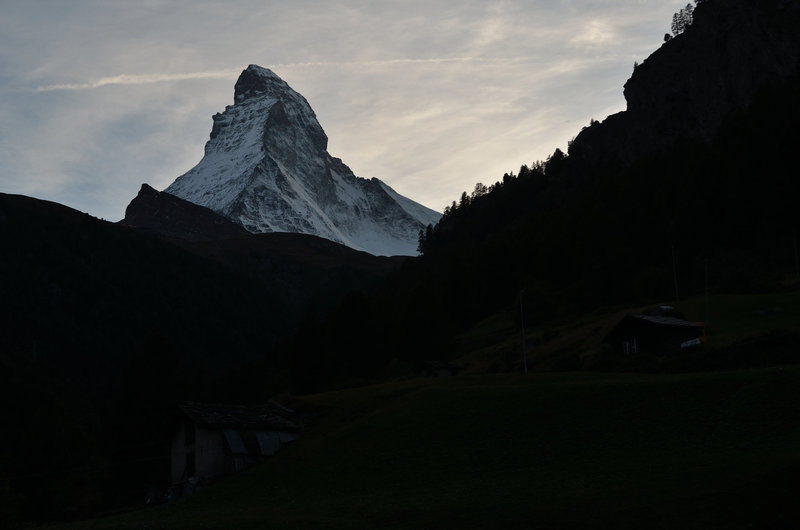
{"x":294,"y":268}
{"x":686,"y":89}
{"x":82,"y":290}
{"x":699,"y":171}
{"x":300,"y":268}
{"x":171,"y":217}
{"x":103,"y":328}
{"x":102,"y":331}
{"x":712,"y":177}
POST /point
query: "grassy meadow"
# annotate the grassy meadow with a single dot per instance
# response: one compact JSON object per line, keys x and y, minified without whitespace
{"x":566,"y":450}
{"x":576,"y":343}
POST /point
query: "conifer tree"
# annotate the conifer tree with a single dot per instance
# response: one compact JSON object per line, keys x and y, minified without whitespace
{"x":682,"y":19}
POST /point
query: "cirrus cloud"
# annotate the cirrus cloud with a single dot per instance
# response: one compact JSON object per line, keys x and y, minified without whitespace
{"x":97,"y":97}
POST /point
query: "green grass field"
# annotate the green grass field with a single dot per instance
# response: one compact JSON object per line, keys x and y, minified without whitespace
{"x":574,"y":343}
{"x":734,"y":317}
{"x":571,"y":450}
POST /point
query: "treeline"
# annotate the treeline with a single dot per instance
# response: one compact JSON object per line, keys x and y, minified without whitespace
{"x":575,"y":242}
{"x":489,"y":207}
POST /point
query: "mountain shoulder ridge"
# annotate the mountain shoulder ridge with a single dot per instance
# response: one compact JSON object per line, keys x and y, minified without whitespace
{"x":266,"y":167}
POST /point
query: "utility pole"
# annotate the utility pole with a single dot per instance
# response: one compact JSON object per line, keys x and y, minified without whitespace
{"x":675,"y":278}
{"x":706,"y":325}
{"x":522,"y":320}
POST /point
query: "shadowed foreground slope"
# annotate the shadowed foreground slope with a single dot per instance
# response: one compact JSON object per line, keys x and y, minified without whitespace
{"x":103,"y":329}
{"x":556,"y":451}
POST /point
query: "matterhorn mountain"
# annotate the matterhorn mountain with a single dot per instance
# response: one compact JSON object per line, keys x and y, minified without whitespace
{"x":267,"y":168}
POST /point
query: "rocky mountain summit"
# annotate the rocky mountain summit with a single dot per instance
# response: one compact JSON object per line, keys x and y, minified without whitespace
{"x":266,"y":167}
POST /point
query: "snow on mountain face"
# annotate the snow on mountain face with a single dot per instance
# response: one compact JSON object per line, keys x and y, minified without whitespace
{"x":266,"y":166}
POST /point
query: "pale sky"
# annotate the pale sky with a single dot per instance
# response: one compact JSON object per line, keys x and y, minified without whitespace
{"x":431,"y":96}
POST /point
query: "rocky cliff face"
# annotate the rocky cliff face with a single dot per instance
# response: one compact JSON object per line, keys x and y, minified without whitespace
{"x":168,"y":216}
{"x":686,"y":89}
{"x":266,"y":167}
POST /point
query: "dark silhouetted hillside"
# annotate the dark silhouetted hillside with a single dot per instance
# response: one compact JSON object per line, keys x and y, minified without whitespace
{"x":104,"y":328}
{"x":698,"y":174}
{"x":294,"y":268}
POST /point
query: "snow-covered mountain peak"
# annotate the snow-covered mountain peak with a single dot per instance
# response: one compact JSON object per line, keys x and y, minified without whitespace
{"x":256,"y":81}
{"x":266,"y":167}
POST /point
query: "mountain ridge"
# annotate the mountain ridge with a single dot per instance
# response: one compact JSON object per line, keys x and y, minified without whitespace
{"x":687,"y":88}
{"x":171,"y":217}
{"x":266,"y":168}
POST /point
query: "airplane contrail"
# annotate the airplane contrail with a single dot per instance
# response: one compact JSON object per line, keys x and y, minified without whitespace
{"x":142,"y":79}
{"x":138,"y":79}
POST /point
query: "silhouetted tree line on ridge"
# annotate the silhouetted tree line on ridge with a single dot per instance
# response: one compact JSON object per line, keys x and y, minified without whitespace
{"x":576,"y":242}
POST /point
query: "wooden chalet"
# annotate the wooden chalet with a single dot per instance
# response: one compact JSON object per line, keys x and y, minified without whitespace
{"x":439,"y":369}
{"x":213,"y":440}
{"x":655,"y":334}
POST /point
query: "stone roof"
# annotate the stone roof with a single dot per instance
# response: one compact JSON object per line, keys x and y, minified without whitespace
{"x":261,"y":417}
{"x":666,"y":321}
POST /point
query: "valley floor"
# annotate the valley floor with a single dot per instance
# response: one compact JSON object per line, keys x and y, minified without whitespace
{"x":710,"y":450}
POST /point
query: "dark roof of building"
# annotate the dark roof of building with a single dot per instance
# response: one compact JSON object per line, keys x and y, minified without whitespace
{"x":442,"y":364}
{"x":668,"y":324}
{"x":667,"y":321}
{"x":264,"y":417}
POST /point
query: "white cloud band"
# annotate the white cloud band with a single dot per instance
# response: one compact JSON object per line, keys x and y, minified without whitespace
{"x":138,"y":79}
{"x":142,"y":79}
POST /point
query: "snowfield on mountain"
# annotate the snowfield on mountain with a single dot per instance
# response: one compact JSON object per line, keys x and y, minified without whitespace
{"x":266,"y":167}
